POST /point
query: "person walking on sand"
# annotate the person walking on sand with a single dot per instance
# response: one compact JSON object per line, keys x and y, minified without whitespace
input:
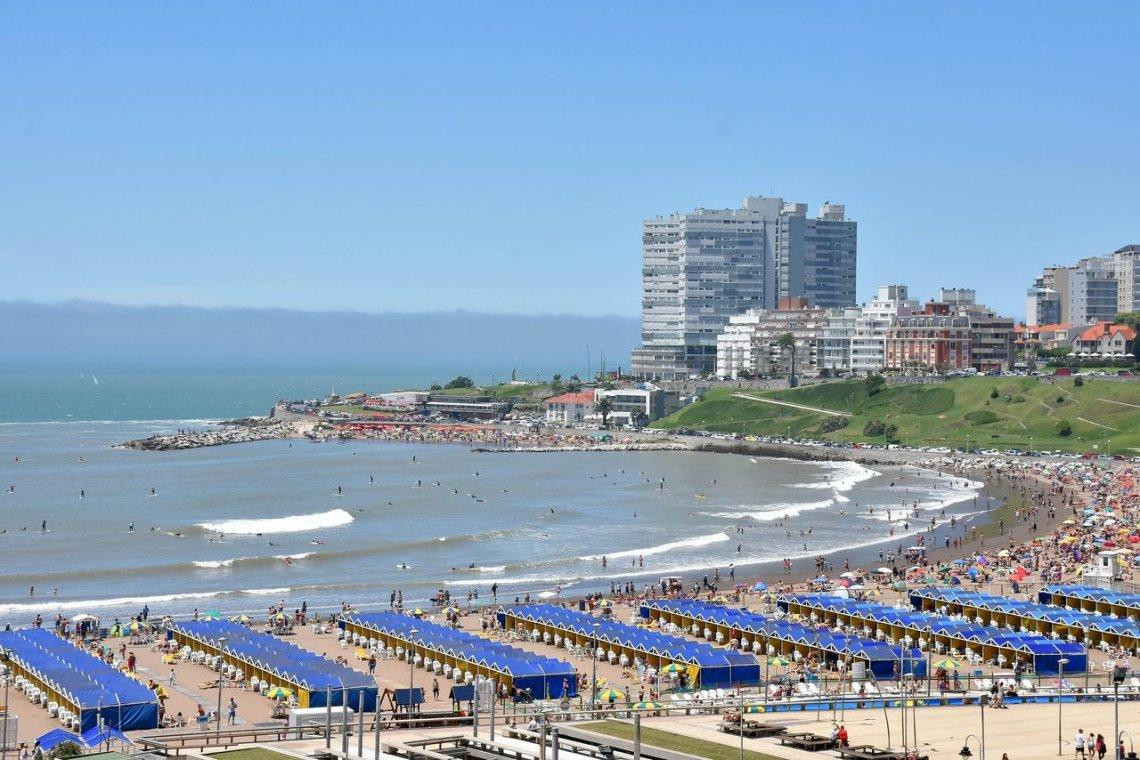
{"x":232,"y":712}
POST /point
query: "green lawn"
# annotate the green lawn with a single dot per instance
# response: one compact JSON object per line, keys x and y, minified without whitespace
{"x":252,"y":753}
{"x":675,"y":742}
{"x":1024,"y":415}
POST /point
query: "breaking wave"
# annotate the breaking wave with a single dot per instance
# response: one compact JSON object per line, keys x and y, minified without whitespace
{"x":334,"y":518}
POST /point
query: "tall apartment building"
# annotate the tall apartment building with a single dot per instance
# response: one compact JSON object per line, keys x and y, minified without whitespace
{"x":1126,"y":263}
{"x":852,"y":339}
{"x":703,"y":267}
{"x":1042,"y":304}
{"x":1085,"y":293}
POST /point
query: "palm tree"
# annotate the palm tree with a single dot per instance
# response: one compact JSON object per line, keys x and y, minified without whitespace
{"x":605,"y":406}
{"x":787,"y":340}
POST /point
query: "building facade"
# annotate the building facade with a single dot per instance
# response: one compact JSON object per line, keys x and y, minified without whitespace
{"x":1106,"y":339}
{"x":628,"y":404}
{"x":750,"y":343}
{"x":1086,"y":292}
{"x":703,"y":267}
{"x":939,"y":342}
{"x":569,"y":408}
{"x":1127,"y":268}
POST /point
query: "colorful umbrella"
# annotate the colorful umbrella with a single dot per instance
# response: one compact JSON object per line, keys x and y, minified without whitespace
{"x":948,"y":663}
{"x":609,"y":694}
{"x":648,"y":706}
{"x":674,"y":668}
{"x":279,"y":693}
{"x":779,"y":662}
{"x":211,"y":615}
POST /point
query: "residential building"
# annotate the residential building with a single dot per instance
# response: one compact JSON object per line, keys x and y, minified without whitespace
{"x":397,"y":400}
{"x":1126,"y":263}
{"x":626,"y":404}
{"x":568,"y":408}
{"x":1042,"y":305}
{"x":749,"y":344}
{"x":1086,"y":292}
{"x":868,"y":341}
{"x":817,"y":258}
{"x":1106,"y":339}
{"x":935,"y":340}
{"x":992,"y":339}
{"x":833,"y":351}
{"x":957,"y":297}
{"x":703,"y":267}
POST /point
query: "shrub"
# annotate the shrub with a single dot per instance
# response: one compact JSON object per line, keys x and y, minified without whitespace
{"x":1060,"y":399}
{"x":874,"y":428}
{"x":1064,"y":428}
{"x":981,"y":417}
{"x":831,"y":424}
{"x":67,"y":750}
{"x":1078,"y":381}
{"x":874,"y":383}
{"x":994,"y":392}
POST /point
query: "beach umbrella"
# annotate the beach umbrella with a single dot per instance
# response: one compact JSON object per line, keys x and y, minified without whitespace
{"x":779,"y":662}
{"x":609,"y":694}
{"x":883,"y":570}
{"x":848,"y":574}
{"x":605,"y":603}
{"x":754,"y":708}
{"x":211,"y":615}
{"x":1070,"y":521}
{"x":648,"y":706}
{"x":820,"y":579}
{"x":240,"y":619}
{"x":674,"y":668}
{"x":762,"y":586}
{"x":279,"y":693}
{"x":417,"y":612}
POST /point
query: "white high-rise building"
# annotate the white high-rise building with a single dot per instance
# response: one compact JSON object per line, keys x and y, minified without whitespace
{"x":703,"y":267}
{"x":1126,"y":263}
{"x":869,"y":338}
{"x":1087,"y":292}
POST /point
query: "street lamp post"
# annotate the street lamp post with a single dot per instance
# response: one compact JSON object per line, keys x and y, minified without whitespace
{"x":412,"y":671}
{"x":965,"y":751}
{"x":221,"y":650}
{"x":1061,"y":663}
{"x":5,"y":656}
{"x":594,"y":670}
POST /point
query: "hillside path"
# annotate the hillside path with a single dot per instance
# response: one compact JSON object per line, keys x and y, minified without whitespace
{"x":832,"y":412}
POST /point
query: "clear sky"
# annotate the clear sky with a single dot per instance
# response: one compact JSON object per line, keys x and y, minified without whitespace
{"x":500,"y":157}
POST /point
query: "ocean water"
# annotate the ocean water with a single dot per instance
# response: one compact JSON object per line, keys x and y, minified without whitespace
{"x":239,"y":527}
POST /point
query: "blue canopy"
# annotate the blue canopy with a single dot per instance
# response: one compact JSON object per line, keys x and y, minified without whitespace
{"x":883,"y":659}
{"x":542,"y":676}
{"x":57,"y":736}
{"x":1044,"y":653}
{"x":317,"y":674}
{"x":718,"y":667}
{"x":92,"y":686}
{"x":93,"y":737}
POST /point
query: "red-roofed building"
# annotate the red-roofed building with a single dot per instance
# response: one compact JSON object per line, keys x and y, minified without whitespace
{"x":569,"y":407}
{"x":1106,"y":339}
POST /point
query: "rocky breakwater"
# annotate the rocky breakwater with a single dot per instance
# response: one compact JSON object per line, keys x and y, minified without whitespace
{"x":231,"y":431}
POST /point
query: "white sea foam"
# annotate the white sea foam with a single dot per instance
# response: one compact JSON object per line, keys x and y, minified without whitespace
{"x":211,"y":564}
{"x":301,"y":555}
{"x":491,"y":569}
{"x":291,"y":524}
{"x":136,"y":601}
{"x":684,"y":543}
{"x":843,"y":476}
{"x":772,"y":512}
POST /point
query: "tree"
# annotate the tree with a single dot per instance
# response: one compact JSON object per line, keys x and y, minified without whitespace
{"x":556,"y":386}
{"x":1064,"y":428}
{"x":785,"y":342}
{"x":874,"y":383}
{"x":605,"y":406}
{"x":460,"y":382}
{"x":1078,"y":381}
{"x":1130,"y":318}
{"x":639,"y":418}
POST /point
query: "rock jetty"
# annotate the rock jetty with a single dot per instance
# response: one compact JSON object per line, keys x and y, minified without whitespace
{"x":234,"y":433}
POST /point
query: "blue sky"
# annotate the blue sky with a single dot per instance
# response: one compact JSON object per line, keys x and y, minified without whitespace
{"x":501,"y":157}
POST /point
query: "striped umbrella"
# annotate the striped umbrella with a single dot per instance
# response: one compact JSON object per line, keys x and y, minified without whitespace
{"x":779,"y":662}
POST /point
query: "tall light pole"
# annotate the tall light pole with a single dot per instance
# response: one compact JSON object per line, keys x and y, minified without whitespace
{"x":1061,"y":663}
{"x":412,"y":670}
{"x":5,"y":656}
{"x":594,"y":671}
{"x":221,"y":652}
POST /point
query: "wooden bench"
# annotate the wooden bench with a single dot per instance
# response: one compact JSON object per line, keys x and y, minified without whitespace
{"x":753,"y":729}
{"x":808,"y":741}
{"x":869,"y":752}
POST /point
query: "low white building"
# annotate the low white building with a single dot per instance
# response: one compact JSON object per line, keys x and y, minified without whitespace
{"x":627,"y":403}
{"x":397,"y":400}
{"x":569,"y":408}
{"x":748,"y":344}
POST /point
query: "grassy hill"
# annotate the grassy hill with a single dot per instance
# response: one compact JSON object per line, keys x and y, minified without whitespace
{"x":1026,"y":413}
